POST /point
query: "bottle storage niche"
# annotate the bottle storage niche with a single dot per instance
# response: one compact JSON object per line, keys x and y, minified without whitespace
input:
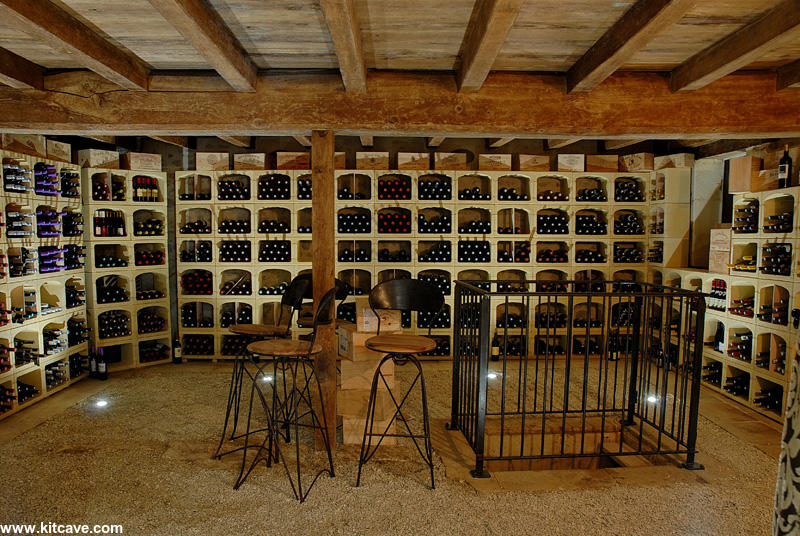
{"x":109,"y":256}
{"x":585,"y":278}
{"x":54,"y":339}
{"x":51,"y":298}
{"x":112,"y":288}
{"x":354,"y":251}
{"x":714,"y":336}
{"x":198,"y":345}
{"x":194,"y":221}
{"x":778,"y":214}
{"x":233,"y":187}
{"x":474,"y":221}
{"x":776,"y":259}
{"x":436,"y":251}
{"x":193,"y":187}
{"x":548,"y":316}
{"x":274,"y":220}
{"x":629,"y":189}
{"x":273,"y":186}
{"x":513,"y":188}
{"x":154,"y":351}
{"x":106,"y":186}
{"x":477,"y":278}
{"x":72,"y":223}
{"x":509,"y":281}
{"x":149,"y":254}
{"x":305,"y":251}
{"x":304,"y":218}
{"x":304,"y":186}
{"x":48,"y":221}
{"x":741,"y":300}
{"x":520,"y":251}
{"x":74,"y":294}
{"x":353,"y":186}
{"x":234,"y":250}
{"x":434,"y":186}
{"x":434,"y":220}
{"x":234,"y":345}
{"x":552,"y":252}
{"x":656,"y":226}
{"x":17,"y":176}
{"x":442,"y":347}
{"x":628,"y":222}
{"x":148,"y":187}
{"x":745,"y":215}
{"x":628,"y":278}
{"x":360,"y":281}
{"x":590,"y":222}
{"x":440,"y":320}
{"x":591,"y":252}
{"x":588,"y":315}
{"x":743,"y":257}
{"x":28,"y":388}
{"x":394,"y":251}
{"x":195,"y":251}
{"x":474,"y":187}
{"x":235,"y":282}
{"x":737,"y":382}
{"x":22,"y":262}
{"x":552,"y":188}
{"x":589,"y":189}
{"x":197,"y":314}
{"x":771,"y":352}
{"x":113,"y":324}
{"x":235,"y":312}
{"x":152,"y":319}
{"x":118,"y":355}
{"x":773,"y":305}
{"x":273,"y":282}
{"x":628,"y":253}
{"x":24,"y":304}
{"x":274,"y":251}
{"x":440,"y":278}
{"x":394,"y":220}
{"x":354,"y":220}
{"x":393,"y":273}
{"x":551,"y":281}
{"x":151,"y":286}
{"x":512,"y":221}
{"x":717,"y":295}
{"x":20,"y":222}
{"x":740,"y":344}
{"x":511,"y":315}
{"x":196,"y":282}
{"x":768,"y":396}
{"x":552,"y":221}
{"x":236,"y":221}
{"x":394,"y":186}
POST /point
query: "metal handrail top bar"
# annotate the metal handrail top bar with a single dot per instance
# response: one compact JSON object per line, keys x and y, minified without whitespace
{"x":659,"y":289}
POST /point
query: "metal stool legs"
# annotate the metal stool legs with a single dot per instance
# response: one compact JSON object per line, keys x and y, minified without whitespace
{"x":367,"y":450}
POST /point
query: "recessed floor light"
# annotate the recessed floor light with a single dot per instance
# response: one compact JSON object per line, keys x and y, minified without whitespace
{"x":101,"y":403}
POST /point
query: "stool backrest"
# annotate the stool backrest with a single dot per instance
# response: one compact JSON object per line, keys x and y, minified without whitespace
{"x":407,"y":295}
{"x":293,"y":298}
{"x":324,"y":314}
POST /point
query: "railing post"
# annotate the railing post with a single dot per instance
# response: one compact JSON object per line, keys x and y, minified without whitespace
{"x":694,"y":401}
{"x":638,"y":310}
{"x":483,"y":371}
{"x":456,"y":349}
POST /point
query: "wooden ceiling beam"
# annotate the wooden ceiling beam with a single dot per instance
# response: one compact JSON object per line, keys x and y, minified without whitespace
{"x":367,"y":141}
{"x":305,"y":141}
{"x":58,"y":29}
{"x":343,"y":27}
{"x":778,"y":26}
{"x":613,"y":145}
{"x":494,"y":143}
{"x":180,"y":141}
{"x":630,"y":34}
{"x":238,"y":141}
{"x":19,"y":73}
{"x":197,"y":21}
{"x":631,"y":105}
{"x":560,"y":144}
{"x":789,"y":76}
{"x":487,"y":31}
{"x":435,"y":141}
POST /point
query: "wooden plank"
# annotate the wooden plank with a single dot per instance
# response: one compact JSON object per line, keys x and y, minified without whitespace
{"x":630,"y":34}
{"x":184,"y":81}
{"x":324,"y":255}
{"x":19,"y":73}
{"x":695,"y":143}
{"x":238,"y":141}
{"x":487,"y":31}
{"x":180,"y":141}
{"x":197,"y":21}
{"x":560,"y":144}
{"x":631,"y":105}
{"x":303,"y":140}
{"x":612,"y":145}
{"x":499,"y":142}
{"x":789,"y":76}
{"x":343,"y":28}
{"x":61,"y":31}
{"x":104,"y":139}
{"x":436,"y":141}
{"x":367,"y":141}
{"x":778,"y":26}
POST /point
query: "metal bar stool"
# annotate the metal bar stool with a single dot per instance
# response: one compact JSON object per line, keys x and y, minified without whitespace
{"x":405,"y":295}
{"x":292,"y":300}
{"x":294,"y":359}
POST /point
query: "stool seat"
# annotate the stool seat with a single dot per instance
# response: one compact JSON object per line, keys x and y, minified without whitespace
{"x":258,"y":330}
{"x":400,"y":343}
{"x":283,"y":348}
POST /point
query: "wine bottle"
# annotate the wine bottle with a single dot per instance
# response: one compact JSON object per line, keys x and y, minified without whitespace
{"x":785,"y":169}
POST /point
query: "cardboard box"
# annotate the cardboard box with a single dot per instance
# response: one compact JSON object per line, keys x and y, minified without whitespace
{"x":212,"y":161}
{"x":141,"y":161}
{"x":450,"y":161}
{"x":678,"y":160}
{"x":494,"y":162}
{"x":98,"y":158}
{"x":602,"y":162}
{"x":413,"y":161}
{"x":718,"y":262}
{"x":637,"y":162}
{"x":767,"y":179}
{"x":534,"y":162}
{"x":358,"y":375}
{"x":571,"y":162}
{"x":249,"y":161}
{"x":353,"y":403}
{"x":290,"y":160}
{"x":26,"y":144}
{"x":743,"y":174}
{"x":60,"y":151}
{"x":372,"y":160}
{"x":720,"y":239}
{"x":367,"y":321}
{"x":351,"y":341}
{"x":339,"y":160}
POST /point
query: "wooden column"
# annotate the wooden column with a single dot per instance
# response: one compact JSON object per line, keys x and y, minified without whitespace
{"x":323,"y":248}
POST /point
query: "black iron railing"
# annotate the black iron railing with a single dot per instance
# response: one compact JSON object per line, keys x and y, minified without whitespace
{"x":576,"y":369}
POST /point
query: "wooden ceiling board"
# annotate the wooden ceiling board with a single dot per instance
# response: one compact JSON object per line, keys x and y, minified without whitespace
{"x":139,"y":27}
{"x":280,"y":33}
{"x":550,"y":35}
{"x":413,"y":34}
{"x":29,"y":48}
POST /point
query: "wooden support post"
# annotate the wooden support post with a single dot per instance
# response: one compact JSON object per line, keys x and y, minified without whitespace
{"x":324,"y":255}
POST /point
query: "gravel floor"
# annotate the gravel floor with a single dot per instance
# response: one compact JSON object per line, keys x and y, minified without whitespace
{"x":145,"y":462}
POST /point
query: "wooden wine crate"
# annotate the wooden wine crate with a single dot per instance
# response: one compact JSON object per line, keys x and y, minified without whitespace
{"x":450,"y":161}
{"x":372,"y":160}
{"x":249,"y":161}
{"x":494,"y":162}
{"x":59,"y":151}
{"x":637,"y":162}
{"x":212,"y":161}
{"x":602,"y":162}
{"x":534,"y":162}
{"x":98,"y":158}
{"x":29,"y":144}
{"x":419,"y":161}
{"x":141,"y":161}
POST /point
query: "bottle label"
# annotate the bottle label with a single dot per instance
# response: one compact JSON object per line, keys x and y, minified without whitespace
{"x":783,"y":171}
{"x":101,"y":367}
